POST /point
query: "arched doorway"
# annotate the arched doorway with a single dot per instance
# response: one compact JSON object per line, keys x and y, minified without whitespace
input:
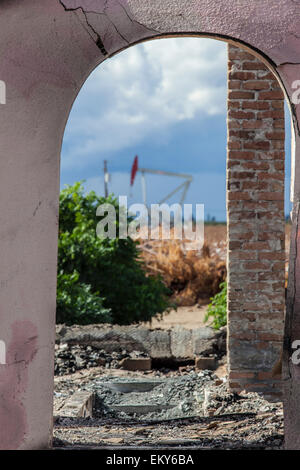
{"x":64,"y":42}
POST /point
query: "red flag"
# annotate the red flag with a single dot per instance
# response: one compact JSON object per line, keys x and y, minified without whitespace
{"x":134,"y":169}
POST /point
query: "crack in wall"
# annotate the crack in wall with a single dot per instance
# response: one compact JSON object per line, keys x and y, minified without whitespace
{"x":98,"y":42}
{"x":106,"y":15}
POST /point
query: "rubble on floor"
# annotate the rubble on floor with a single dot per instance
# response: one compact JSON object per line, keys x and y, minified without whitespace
{"x":69,"y":359}
{"x":189,"y":408}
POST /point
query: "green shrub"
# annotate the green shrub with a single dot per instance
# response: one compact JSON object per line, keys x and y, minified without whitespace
{"x":77,"y":304}
{"x":217,"y":309}
{"x":101,"y":279}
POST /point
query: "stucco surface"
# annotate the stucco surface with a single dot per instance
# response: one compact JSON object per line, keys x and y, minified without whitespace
{"x":269,"y":26}
{"x":48,"y":48}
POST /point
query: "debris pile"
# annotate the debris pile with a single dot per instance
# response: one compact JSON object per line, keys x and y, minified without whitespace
{"x":167,"y":398}
{"x":69,"y":358}
{"x":182,"y":408}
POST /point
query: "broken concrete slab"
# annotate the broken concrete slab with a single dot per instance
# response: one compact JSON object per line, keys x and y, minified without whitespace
{"x":138,"y":386}
{"x":108,"y":337}
{"x":79,"y":405}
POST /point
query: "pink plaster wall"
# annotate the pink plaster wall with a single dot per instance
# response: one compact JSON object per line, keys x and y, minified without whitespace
{"x":48,"y":48}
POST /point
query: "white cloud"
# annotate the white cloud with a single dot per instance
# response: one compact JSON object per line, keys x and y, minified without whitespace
{"x":143,"y":90}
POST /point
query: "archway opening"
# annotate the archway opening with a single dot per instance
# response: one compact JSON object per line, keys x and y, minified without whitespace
{"x":168,"y":127}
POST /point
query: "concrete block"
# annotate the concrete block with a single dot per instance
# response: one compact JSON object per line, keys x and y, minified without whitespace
{"x":181,"y":343}
{"x":141,"y":363}
{"x":79,"y":405}
{"x":160,"y":344}
{"x":206,"y":363}
{"x":203,"y":341}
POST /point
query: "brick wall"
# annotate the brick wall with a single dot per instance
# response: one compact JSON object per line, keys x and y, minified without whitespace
{"x":255,"y":207}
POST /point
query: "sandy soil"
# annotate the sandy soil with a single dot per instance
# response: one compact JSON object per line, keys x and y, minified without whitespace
{"x":186,"y":317}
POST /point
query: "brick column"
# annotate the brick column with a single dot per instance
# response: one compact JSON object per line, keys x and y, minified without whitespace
{"x":256,"y":231}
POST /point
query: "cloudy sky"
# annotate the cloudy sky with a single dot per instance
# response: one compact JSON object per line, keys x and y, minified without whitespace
{"x":164,"y":101}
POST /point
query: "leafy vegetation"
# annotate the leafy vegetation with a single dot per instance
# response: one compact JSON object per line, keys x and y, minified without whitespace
{"x":101,"y":279}
{"x":217,"y":309}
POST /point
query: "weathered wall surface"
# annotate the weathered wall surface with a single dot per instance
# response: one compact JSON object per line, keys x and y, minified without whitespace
{"x":256,"y":227}
{"x":48,"y":48}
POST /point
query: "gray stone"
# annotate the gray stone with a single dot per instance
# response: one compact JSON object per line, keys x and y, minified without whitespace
{"x":181,"y":343}
{"x":160,"y":344}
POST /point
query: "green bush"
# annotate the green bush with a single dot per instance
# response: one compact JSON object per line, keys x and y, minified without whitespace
{"x":76,"y":304}
{"x":217,"y":309}
{"x":101,"y":280}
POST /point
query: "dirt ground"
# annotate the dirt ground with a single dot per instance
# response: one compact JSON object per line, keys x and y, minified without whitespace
{"x":187,"y":317}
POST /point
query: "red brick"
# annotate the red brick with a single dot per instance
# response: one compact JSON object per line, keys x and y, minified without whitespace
{"x":241,"y":114}
{"x":256,"y":85}
{"x":255,"y":265}
{"x":270,"y":95}
{"x":255,"y":124}
{"x":237,"y":95}
{"x":257,"y":105}
{"x":269,"y":176}
{"x":256,"y":166}
{"x":259,"y":145}
{"x":234,"y":124}
{"x":277,"y":256}
{"x":277,"y":144}
{"x":278,"y":104}
{"x":275,"y":135}
{"x":270,"y":196}
{"x":241,"y":134}
{"x":254,"y":66}
{"x":241,"y":155}
{"x":234,"y":85}
{"x":240,"y":195}
{"x":275,"y":114}
{"x":233,"y":104}
{"x":234,"y":145}
{"x":279,"y":124}
{"x":256,"y":246}
{"x":241,"y":76}
{"x":239,"y":54}
{"x":241,"y":375}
